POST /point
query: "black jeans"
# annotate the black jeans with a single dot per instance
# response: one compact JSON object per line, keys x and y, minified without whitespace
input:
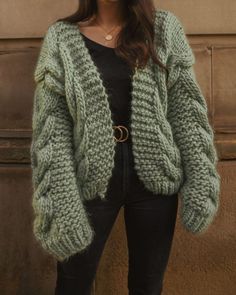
{"x":150,"y":222}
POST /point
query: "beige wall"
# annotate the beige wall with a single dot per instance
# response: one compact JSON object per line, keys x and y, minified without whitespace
{"x":198,"y":265}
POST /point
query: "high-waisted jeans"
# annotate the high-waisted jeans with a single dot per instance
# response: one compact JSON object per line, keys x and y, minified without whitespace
{"x":149,"y":221}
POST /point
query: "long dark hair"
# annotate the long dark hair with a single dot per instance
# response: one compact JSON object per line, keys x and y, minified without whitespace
{"x":139,"y":26}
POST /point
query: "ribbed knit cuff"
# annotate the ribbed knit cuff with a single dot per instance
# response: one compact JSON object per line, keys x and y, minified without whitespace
{"x":63,"y":245}
{"x":198,"y":221}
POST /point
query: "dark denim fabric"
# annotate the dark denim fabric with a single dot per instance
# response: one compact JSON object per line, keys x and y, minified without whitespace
{"x":150,"y":222}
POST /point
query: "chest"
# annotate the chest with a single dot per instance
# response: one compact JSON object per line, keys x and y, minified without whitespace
{"x":86,"y":74}
{"x":116,"y":76}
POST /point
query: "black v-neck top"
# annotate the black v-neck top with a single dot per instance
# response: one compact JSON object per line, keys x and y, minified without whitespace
{"x":116,"y":75}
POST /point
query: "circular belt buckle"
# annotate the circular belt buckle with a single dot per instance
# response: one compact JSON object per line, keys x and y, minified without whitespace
{"x":120,"y":127}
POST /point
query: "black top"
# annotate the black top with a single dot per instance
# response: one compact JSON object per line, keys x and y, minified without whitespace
{"x":116,"y":75}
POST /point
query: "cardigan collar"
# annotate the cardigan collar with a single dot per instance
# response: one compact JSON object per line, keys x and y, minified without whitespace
{"x":88,"y":102}
{"x":77,"y":56}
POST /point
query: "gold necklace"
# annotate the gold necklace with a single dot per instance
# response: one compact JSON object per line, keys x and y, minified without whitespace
{"x":108,"y":36}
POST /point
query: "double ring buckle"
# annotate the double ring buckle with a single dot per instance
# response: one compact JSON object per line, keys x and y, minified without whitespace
{"x":120,"y":127}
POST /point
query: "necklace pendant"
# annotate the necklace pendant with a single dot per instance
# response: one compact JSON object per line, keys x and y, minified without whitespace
{"x":108,"y":37}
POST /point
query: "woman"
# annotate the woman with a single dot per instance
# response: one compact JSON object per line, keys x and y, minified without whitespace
{"x":119,"y":120}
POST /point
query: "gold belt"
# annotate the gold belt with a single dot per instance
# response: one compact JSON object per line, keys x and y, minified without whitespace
{"x":123,"y":137}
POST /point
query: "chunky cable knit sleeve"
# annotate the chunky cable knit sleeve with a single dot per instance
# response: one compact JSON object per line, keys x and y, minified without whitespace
{"x":61,"y":224}
{"x":187,"y":113}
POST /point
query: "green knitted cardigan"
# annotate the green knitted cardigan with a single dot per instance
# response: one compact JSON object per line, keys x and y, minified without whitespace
{"x":72,"y":150}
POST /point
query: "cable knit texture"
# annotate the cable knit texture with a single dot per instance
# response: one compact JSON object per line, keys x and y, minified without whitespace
{"x":72,"y":150}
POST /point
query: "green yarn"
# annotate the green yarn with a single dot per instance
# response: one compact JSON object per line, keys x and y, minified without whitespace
{"x":72,"y":149}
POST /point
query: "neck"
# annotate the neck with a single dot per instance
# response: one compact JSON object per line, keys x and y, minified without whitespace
{"x":110,"y":12}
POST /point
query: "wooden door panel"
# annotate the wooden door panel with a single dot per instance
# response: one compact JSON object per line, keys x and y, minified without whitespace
{"x":17,"y":85}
